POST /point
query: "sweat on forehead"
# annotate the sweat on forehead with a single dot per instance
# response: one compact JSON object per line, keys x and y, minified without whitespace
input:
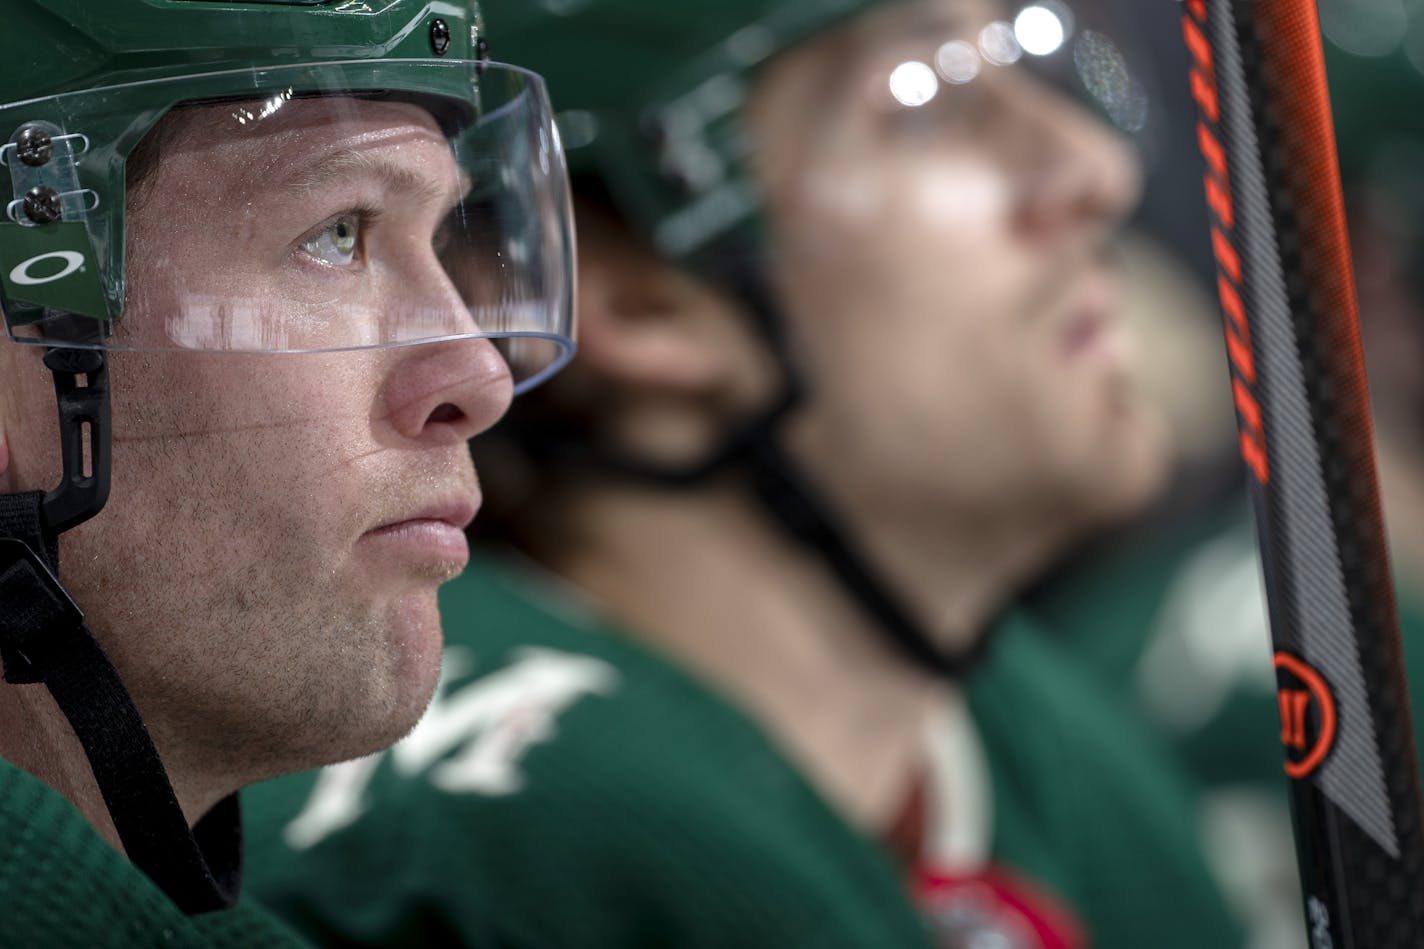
{"x":262,"y":142}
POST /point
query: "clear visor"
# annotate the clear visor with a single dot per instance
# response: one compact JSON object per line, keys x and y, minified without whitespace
{"x":327,"y":213}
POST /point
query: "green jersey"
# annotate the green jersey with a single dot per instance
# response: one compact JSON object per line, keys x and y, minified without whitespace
{"x":62,"y":885}
{"x":1179,"y":626}
{"x":1088,"y":804}
{"x":569,"y":788}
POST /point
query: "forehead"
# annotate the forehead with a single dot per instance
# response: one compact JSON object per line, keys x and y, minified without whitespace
{"x":215,"y":231}
{"x":911,"y":19}
{"x":245,"y":147}
{"x":901,"y":29}
{"x":812,"y":76}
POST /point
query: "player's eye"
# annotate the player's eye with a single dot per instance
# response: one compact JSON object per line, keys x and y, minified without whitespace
{"x":337,"y":241}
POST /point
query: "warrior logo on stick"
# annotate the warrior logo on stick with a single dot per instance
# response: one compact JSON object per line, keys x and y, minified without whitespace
{"x":1307,"y":715}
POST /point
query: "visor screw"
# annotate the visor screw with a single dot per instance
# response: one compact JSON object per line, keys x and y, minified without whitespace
{"x":440,"y":37}
{"x":34,"y":146}
{"x":42,"y":204}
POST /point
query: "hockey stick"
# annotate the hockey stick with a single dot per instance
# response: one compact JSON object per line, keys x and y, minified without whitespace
{"x":1287,"y":295}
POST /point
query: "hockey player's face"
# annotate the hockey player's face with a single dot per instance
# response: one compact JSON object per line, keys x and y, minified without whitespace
{"x":265,"y":573}
{"x":943,"y":247}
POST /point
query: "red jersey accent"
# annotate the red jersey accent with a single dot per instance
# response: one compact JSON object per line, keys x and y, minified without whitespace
{"x":963,"y":908}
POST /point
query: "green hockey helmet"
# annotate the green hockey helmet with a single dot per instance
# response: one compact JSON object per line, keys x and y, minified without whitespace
{"x":1374,"y":60}
{"x":82,"y":84}
{"x":655,"y":120}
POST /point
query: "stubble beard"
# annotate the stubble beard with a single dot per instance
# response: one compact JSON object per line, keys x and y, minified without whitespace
{"x":251,"y":655}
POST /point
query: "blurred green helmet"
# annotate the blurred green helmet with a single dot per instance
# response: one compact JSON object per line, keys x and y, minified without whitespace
{"x":648,"y":94}
{"x":1376,"y":70}
{"x":1375,"y":65}
{"x":82,"y":83}
{"x":1374,"y":59}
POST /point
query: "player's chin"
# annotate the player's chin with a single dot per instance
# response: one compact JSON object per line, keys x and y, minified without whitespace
{"x":417,"y":632}
{"x":410,"y":666}
{"x":1135,"y":469}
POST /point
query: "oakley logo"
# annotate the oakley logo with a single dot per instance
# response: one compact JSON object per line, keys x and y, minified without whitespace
{"x":23,"y":274}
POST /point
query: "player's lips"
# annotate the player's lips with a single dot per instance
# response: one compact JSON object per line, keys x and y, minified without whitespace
{"x":1091,"y":326}
{"x":436,"y":531}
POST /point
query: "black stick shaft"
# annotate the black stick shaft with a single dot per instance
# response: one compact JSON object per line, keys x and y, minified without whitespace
{"x":1287,"y":294}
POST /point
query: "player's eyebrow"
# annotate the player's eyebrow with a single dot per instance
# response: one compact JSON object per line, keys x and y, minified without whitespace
{"x":355,"y":164}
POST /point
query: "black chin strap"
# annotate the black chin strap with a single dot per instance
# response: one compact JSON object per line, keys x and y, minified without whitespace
{"x":43,"y":639}
{"x":792,"y":500}
{"x":806,"y":516}
{"x":789,"y":497}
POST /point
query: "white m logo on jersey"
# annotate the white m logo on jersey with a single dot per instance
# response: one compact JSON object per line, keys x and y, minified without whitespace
{"x":471,"y":740}
{"x":22,"y":276}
